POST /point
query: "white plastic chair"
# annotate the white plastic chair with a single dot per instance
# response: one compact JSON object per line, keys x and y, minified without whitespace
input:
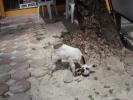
{"x":47,"y":3}
{"x":71,"y":4}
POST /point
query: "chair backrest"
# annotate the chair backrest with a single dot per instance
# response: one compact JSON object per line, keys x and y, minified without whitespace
{"x":71,"y":1}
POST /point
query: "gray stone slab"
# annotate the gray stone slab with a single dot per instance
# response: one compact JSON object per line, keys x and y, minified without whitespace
{"x":20,"y":66}
{"x":20,"y":53}
{"x":20,"y":74}
{"x":20,"y":59}
{"x":36,"y":56}
{"x":6,"y":56}
{"x":5,"y":68}
{"x":20,"y":96}
{"x":38,"y":72}
{"x":37,"y":63}
{"x":5,"y":61}
{"x":21,"y":48}
{"x":68,"y":78}
{"x":3,"y":89}
{"x":19,"y":86}
{"x":4,"y":77}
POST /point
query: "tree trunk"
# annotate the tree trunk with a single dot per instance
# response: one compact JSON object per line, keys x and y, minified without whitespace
{"x":95,"y":21}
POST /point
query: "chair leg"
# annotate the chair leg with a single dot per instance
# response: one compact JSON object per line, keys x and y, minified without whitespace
{"x":72,"y":12}
{"x":55,"y":9}
{"x":49,"y":10}
{"x":38,"y":11}
{"x":43,"y":10}
{"x":67,"y":9}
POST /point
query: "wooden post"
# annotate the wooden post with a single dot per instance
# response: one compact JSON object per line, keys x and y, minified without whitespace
{"x":2,"y":10}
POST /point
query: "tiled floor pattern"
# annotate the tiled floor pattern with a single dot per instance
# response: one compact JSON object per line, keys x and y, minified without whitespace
{"x":18,"y":36}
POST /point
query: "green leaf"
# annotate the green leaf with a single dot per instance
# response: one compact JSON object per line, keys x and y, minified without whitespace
{"x":76,"y":98}
{"x":56,"y":36}
{"x":106,"y":95}
{"x":106,"y":86}
{"x":110,"y":91}
{"x":108,"y":68}
{"x":97,"y":93}
{"x":102,"y":48}
{"x":127,"y":84}
{"x":90,"y":96}
{"x":5,"y":96}
{"x":95,"y":78}
{"x":128,"y":89}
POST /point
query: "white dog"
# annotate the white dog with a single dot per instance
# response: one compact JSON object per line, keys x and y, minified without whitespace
{"x":63,"y":51}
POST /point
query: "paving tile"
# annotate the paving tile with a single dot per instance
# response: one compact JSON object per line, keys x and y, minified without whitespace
{"x":6,"y":56}
{"x":20,"y":35}
{"x":20,"y":59}
{"x":32,"y":38}
{"x":20,"y":53}
{"x":20,"y":74}
{"x":41,"y":32}
{"x":21,"y":48}
{"x":20,"y":96}
{"x":5,"y":62}
{"x":1,"y":45}
{"x":9,"y":44}
{"x":37,"y":63}
{"x":3,"y":88}
{"x":30,"y":31}
{"x":31,"y":35}
{"x":22,"y":40}
{"x":8,"y":50}
{"x":19,"y":86}
{"x":4,"y":31}
{"x":20,"y":66}
{"x":34,"y":41}
{"x":38,"y":72}
{"x":4,"y":77}
{"x":5,"y":68}
{"x":9,"y":36}
{"x":1,"y":98}
{"x":36,"y":56}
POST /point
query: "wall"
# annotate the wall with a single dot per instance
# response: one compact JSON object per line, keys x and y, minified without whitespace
{"x":60,"y":6}
{"x":2,"y":9}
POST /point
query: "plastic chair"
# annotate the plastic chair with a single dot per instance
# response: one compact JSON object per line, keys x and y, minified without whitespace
{"x":71,"y":4}
{"x":47,"y":3}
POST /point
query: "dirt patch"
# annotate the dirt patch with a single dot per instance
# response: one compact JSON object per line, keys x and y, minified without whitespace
{"x":112,"y":78}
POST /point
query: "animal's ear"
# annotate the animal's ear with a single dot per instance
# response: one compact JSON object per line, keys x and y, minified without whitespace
{"x":82,"y":60}
{"x":57,"y":46}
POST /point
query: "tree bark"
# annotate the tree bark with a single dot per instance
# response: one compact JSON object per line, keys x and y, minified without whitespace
{"x":93,"y":16}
